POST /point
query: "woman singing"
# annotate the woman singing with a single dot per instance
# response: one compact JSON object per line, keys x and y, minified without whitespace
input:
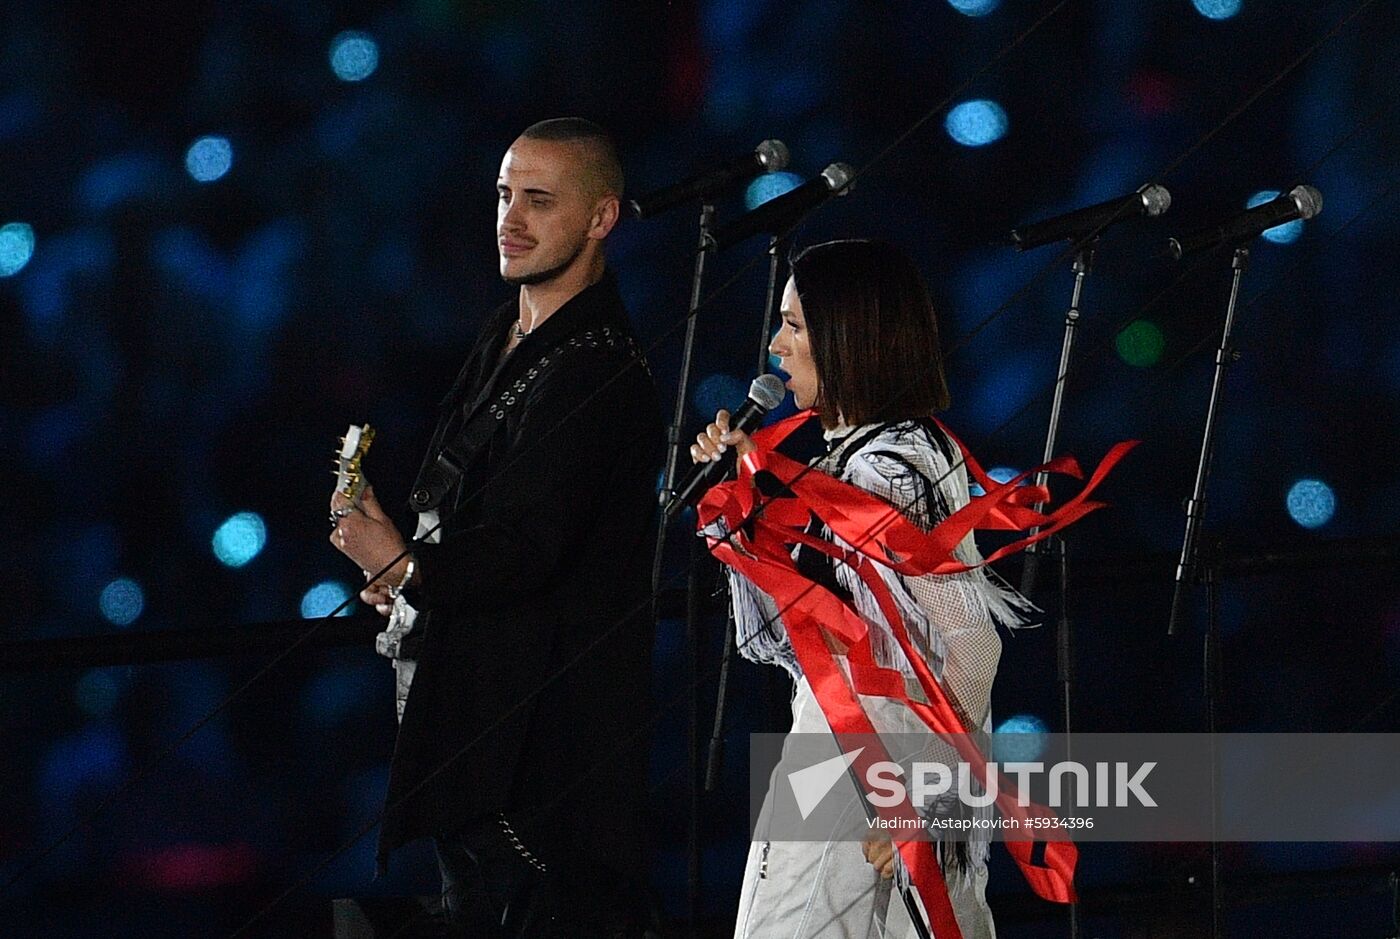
{"x":859,"y":340}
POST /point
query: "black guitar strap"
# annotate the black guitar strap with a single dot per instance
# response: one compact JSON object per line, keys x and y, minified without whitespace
{"x":439,"y":477}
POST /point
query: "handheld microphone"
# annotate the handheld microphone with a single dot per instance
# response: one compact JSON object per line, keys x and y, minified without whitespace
{"x":1303,"y":202}
{"x":777,"y":215}
{"x":767,"y":157}
{"x":765,"y":394}
{"x":1152,"y":200}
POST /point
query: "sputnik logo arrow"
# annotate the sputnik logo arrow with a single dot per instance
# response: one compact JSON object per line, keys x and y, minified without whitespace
{"x":811,"y":785}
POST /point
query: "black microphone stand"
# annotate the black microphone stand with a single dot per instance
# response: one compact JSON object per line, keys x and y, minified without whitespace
{"x":1055,"y":546}
{"x":1082,"y":266}
{"x":716,"y":750}
{"x":765,"y":338}
{"x":1200,"y":565}
{"x":664,"y":496}
{"x":673,"y":433}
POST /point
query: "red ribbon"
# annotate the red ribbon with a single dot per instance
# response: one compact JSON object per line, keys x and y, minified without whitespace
{"x":880,"y":534}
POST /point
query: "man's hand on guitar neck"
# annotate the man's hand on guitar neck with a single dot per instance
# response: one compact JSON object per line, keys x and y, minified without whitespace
{"x":367,"y":536}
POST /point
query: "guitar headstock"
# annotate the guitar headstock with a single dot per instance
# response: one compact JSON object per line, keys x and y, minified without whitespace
{"x":349,"y":480}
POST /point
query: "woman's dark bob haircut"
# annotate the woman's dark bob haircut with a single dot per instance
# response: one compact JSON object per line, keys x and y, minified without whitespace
{"x":873,"y":333}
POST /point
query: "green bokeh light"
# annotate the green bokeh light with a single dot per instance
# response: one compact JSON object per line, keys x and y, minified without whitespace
{"x":1141,"y":343}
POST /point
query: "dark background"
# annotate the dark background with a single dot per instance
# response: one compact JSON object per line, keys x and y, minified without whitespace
{"x":173,"y":352}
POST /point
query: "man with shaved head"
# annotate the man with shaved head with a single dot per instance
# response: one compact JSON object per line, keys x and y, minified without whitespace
{"x":560,"y":188}
{"x":519,"y":619}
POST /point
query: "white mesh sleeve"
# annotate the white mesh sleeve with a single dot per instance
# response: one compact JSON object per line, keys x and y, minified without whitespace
{"x":961,"y":610}
{"x":759,"y":634}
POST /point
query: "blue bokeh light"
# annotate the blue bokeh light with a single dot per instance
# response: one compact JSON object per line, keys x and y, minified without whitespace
{"x":769,"y":186}
{"x":974,"y":7}
{"x":97,"y":754}
{"x":1283,"y":234}
{"x":122,"y":601}
{"x":1019,"y":739}
{"x":718,"y":391}
{"x":98,"y":691}
{"x":1002,"y":474}
{"x":1217,"y":9}
{"x":190,"y":260}
{"x":262,"y":295}
{"x":48,"y":286}
{"x":239,"y":539}
{"x":354,"y":56}
{"x":1003,"y":384}
{"x":1022,"y":724}
{"x":16,"y":248}
{"x":209,"y":158}
{"x":1311,"y":503}
{"x":977,"y":123}
{"x":321,"y":599}
{"x":121,"y":178}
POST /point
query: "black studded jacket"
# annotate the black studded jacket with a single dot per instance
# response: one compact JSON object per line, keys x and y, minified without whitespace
{"x":536,"y":645}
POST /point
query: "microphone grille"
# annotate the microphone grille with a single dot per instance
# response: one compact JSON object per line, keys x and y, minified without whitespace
{"x":838,"y":177}
{"x":1308,"y":200}
{"x":1155,"y":199}
{"x":773,"y":154}
{"x":767,"y":391}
